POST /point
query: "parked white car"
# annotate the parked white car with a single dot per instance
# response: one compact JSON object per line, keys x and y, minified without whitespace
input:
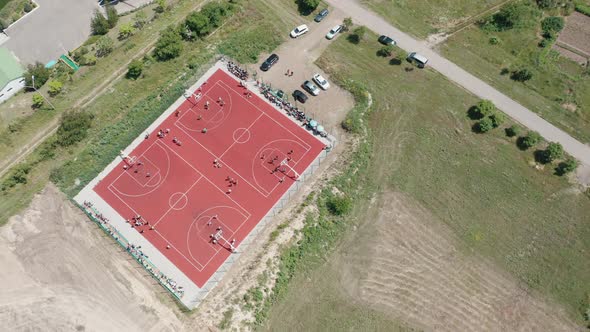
{"x":321,"y":81}
{"x":300,"y":30}
{"x":335,"y":30}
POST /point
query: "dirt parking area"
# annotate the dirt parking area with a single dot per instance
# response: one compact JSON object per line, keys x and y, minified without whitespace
{"x":576,"y":34}
{"x":299,"y":55}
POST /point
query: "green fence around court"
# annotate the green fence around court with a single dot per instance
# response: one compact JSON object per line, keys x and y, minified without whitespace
{"x":122,"y":241}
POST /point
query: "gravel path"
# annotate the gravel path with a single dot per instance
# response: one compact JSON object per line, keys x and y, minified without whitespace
{"x":363,"y":16}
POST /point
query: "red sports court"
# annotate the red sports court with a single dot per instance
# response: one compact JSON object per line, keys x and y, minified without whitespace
{"x":209,"y":174}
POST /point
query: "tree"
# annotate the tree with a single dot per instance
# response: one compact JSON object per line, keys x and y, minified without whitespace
{"x":161,"y":6}
{"x":484,"y":125}
{"x":552,"y":24}
{"x":126,"y":30}
{"x":567,"y":166}
{"x":309,"y":5}
{"x":484,"y":108}
{"x":522,"y":75}
{"x":169,"y":44}
{"x":99,"y":24}
{"x":513,"y":15}
{"x":338,"y":205}
{"x":55,"y":87}
{"x":386,"y":51}
{"x":512,"y":131}
{"x":498,"y":119}
{"x":104,"y":46}
{"x":134,"y":70}
{"x":41,"y":75}
{"x":140,"y":19}
{"x":357,"y":34}
{"x":554,"y":151}
{"x":346,"y":24}
{"x":112,"y":16}
{"x":38,"y":100}
{"x":73,"y":127}
{"x":198,"y":23}
{"x":216,"y":12}
{"x":531,"y":139}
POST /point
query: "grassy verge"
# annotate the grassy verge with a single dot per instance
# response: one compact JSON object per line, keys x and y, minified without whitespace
{"x":481,"y":186}
{"x":559,"y":90}
{"x":421,"y":18}
{"x":123,"y":113}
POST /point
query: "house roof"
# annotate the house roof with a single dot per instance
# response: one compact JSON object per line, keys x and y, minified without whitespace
{"x":10,"y":69}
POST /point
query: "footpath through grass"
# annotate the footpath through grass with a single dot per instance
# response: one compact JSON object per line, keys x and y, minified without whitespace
{"x":533,"y":224}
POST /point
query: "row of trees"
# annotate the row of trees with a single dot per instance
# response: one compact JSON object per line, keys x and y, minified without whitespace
{"x":198,"y":24}
{"x":100,"y":25}
{"x":489,"y":118}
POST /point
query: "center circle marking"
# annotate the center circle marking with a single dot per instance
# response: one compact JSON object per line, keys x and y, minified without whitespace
{"x":242,"y":135}
{"x":178,"y":201}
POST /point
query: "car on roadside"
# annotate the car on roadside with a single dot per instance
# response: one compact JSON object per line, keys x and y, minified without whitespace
{"x":311,"y":88}
{"x":383,"y":39}
{"x":298,"y":31}
{"x":418,"y":59}
{"x":333,"y":32}
{"x":321,"y":81}
{"x":269,"y":62}
{"x":321,"y":15}
{"x":300,"y":96}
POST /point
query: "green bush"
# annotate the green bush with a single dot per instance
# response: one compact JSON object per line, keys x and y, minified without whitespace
{"x":498,"y":118}
{"x":567,"y":166}
{"x":338,"y":206}
{"x":512,"y":131}
{"x":357,"y":34}
{"x":553,"y":152}
{"x":531,"y":139}
{"x":134,"y":70}
{"x":55,"y":87}
{"x":308,"y":5}
{"x":112,"y":16}
{"x":41,"y":75}
{"x":126,"y":30}
{"x":494,"y":40}
{"x":512,"y":16}
{"x":386,"y":51}
{"x":38,"y":100}
{"x":484,"y":125}
{"x":18,"y":175}
{"x":583,"y":9}
{"x":208,"y":18}
{"x":169,"y":45}
{"x":522,"y":75}
{"x":99,"y":25}
{"x":483,"y":109}
{"x":28,"y":6}
{"x":140,"y":19}
{"x":552,"y":24}
{"x":104,"y":46}
{"x":73,"y":127}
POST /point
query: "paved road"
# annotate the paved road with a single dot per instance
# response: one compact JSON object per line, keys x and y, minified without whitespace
{"x":363,"y":16}
{"x":50,"y":30}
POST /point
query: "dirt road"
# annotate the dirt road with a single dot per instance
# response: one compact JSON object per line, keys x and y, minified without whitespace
{"x":529,"y":119}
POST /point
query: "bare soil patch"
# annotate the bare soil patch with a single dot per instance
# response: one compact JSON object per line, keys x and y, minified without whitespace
{"x":406,"y":263}
{"x":61,"y":273}
{"x":576,"y":33}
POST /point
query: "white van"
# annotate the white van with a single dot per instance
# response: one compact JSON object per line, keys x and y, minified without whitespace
{"x":418,"y":59}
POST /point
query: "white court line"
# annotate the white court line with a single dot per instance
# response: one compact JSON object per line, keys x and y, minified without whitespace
{"x":234,"y":141}
{"x":137,"y":181}
{"x":277,"y":122}
{"x":170,"y":207}
{"x":112,"y":184}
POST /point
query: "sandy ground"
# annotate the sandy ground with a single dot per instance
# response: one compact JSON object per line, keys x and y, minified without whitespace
{"x":408,"y":264}
{"x":61,"y":273}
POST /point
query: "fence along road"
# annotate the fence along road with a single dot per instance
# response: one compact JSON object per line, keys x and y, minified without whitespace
{"x":529,"y":119}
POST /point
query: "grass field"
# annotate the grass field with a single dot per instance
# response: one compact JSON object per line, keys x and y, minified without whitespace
{"x":559,"y":90}
{"x":529,"y":222}
{"x":421,"y":18}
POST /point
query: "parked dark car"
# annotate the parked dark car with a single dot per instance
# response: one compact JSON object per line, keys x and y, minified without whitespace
{"x":299,"y":96}
{"x":321,"y":15}
{"x":386,"y":40}
{"x":272,"y":59}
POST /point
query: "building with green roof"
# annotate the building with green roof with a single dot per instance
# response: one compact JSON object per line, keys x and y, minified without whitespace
{"x":11,"y":75}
